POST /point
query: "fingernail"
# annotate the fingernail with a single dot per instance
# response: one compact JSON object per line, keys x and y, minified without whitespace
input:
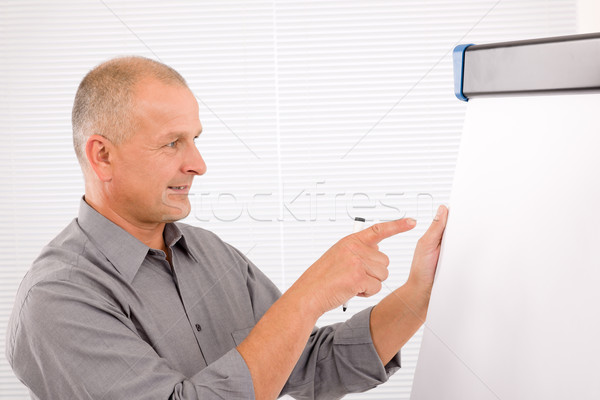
{"x":411,"y":222}
{"x":438,"y":214}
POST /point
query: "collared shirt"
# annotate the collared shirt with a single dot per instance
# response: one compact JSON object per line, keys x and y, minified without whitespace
{"x":100,"y":315}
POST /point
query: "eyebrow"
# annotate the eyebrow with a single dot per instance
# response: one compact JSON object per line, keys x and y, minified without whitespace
{"x":177,"y":134}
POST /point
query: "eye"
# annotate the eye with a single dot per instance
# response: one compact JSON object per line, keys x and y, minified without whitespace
{"x":172,"y":144}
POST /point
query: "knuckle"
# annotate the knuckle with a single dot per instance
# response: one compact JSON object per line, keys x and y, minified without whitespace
{"x":377,"y":229}
{"x":374,"y":288}
{"x":386,"y":260}
{"x":384,"y":274}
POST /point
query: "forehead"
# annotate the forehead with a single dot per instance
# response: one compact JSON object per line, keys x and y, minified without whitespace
{"x":150,"y":90}
{"x":162,"y":107}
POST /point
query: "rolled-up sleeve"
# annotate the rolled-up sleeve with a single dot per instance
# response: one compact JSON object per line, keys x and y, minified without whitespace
{"x":340,"y":359}
{"x":226,"y":378}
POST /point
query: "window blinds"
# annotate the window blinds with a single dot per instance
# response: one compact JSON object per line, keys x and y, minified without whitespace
{"x":314,"y":112}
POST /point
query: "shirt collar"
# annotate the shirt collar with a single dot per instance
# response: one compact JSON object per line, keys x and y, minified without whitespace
{"x":173,"y":235}
{"x":124,"y":251}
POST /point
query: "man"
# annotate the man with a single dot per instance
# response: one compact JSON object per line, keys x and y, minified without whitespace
{"x":126,"y":303}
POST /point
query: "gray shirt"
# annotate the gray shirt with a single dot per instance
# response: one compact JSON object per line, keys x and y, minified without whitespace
{"x":100,"y":315}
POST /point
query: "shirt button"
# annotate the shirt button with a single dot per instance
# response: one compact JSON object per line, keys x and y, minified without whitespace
{"x":198,"y":327}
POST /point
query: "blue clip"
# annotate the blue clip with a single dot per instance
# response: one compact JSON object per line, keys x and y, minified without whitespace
{"x":458,"y":58}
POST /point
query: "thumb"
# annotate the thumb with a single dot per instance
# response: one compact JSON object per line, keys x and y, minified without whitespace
{"x":433,"y":235}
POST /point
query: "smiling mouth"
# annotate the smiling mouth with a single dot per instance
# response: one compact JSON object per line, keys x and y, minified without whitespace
{"x":179,"y":189}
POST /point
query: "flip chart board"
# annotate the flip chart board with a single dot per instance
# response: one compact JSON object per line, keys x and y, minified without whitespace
{"x":515,"y":308}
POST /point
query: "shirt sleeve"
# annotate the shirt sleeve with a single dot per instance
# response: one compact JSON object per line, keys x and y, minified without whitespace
{"x":67,"y":342}
{"x":338,"y":359}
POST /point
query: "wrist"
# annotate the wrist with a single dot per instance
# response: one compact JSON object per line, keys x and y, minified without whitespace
{"x":417,"y":297}
{"x":306,"y":303}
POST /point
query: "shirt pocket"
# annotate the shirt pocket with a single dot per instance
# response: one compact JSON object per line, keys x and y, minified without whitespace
{"x":240,"y":335}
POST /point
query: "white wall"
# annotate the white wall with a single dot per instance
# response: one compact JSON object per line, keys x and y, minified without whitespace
{"x":588,"y":16}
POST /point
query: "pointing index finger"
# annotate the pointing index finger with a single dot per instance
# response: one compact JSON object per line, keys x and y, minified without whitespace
{"x":376,"y":233}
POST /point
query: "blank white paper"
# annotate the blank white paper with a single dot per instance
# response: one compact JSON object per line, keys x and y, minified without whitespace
{"x":515,"y":308}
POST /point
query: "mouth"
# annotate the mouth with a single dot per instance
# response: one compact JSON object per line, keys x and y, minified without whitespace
{"x":180,"y":189}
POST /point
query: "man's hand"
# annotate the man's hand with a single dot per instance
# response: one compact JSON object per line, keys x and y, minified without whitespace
{"x":426,"y":255}
{"x":353,"y":266}
{"x":398,"y":316}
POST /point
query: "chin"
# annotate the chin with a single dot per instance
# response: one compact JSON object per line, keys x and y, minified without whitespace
{"x":176,"y":216}
{"x":170,"y":218}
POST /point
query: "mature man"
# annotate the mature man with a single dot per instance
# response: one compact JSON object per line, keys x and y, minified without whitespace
{"x":126,"y":303}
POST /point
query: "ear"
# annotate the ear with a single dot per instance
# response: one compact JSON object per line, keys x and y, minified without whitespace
{"x":98,"y":151}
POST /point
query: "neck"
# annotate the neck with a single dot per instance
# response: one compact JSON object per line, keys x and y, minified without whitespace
{"x":150,"y":234}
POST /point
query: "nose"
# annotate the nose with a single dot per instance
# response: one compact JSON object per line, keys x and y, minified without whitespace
{"x":194,"y":163}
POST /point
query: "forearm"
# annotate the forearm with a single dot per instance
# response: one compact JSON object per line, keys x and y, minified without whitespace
{"x":273,"y":347}
{"x":396,"y":319}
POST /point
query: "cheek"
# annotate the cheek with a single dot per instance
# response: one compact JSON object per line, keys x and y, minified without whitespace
{"x":145,"y":170}
{"x":135,"y":178}
{"x":158,"y":179}
{"x":135,"y":181}
{"x":147,"y":176}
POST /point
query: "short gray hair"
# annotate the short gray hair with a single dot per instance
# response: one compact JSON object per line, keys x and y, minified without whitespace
{"x":104,"y":101}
